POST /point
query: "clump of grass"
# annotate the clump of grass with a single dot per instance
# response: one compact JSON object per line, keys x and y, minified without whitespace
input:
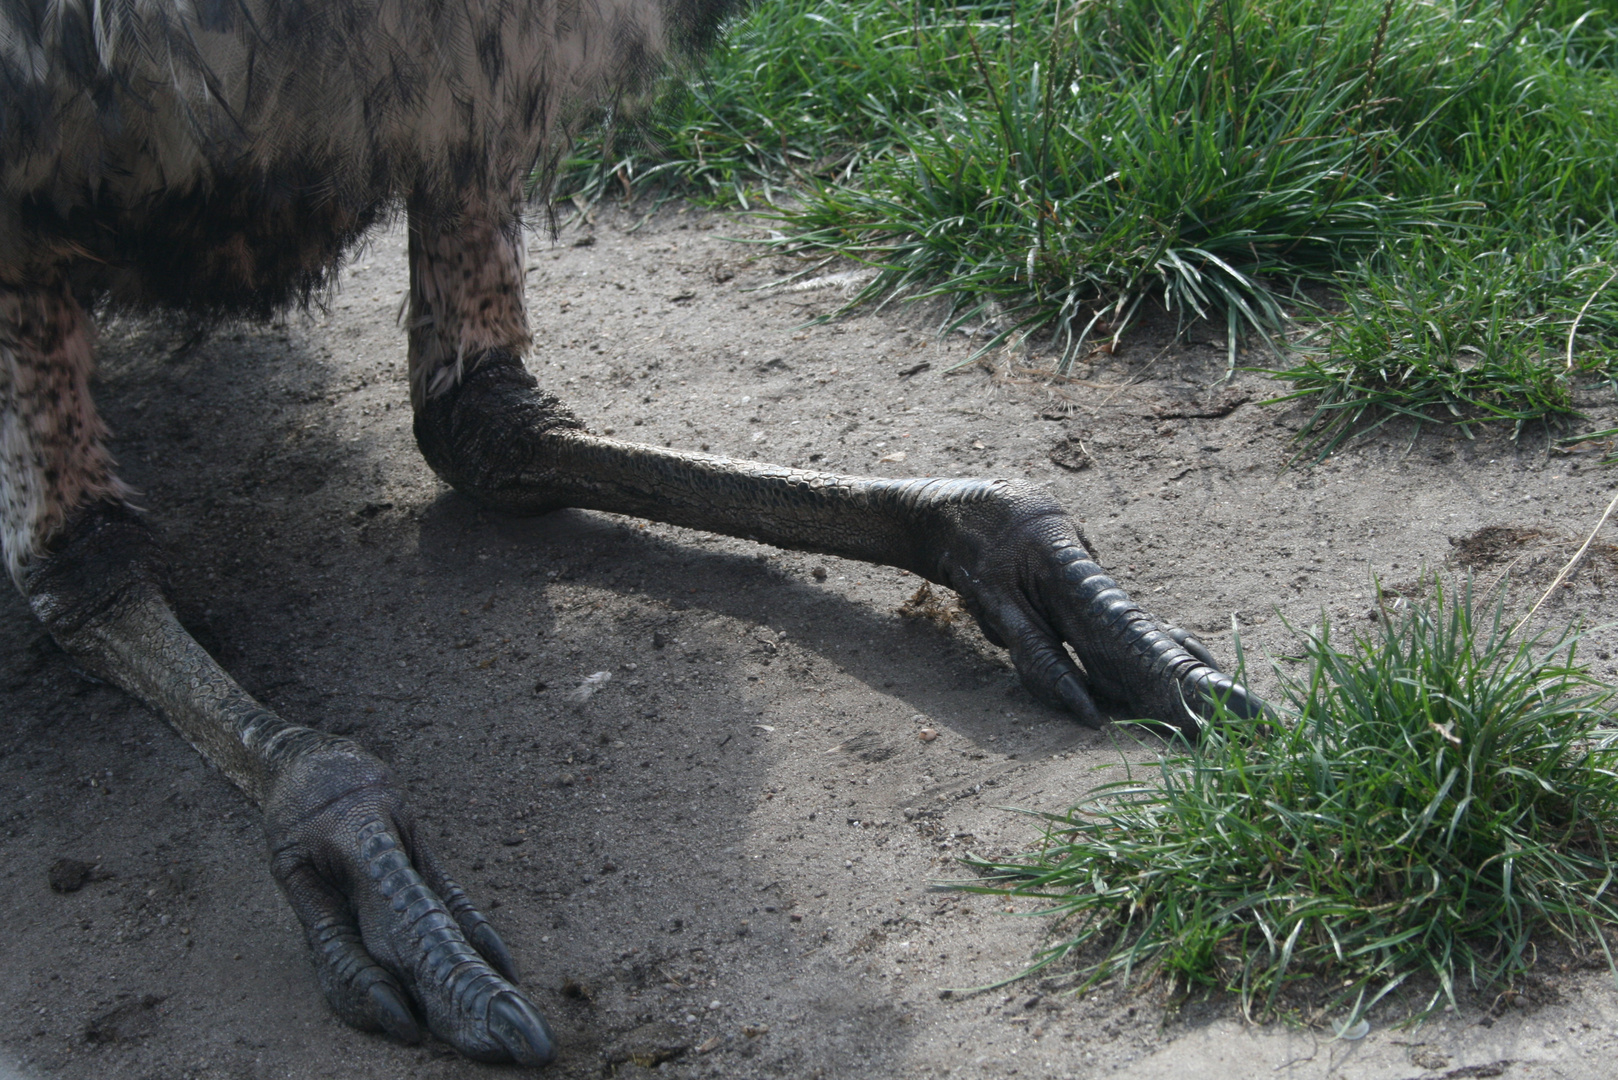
{"x":1440,"y":796}
{"x":1471,"y":321}
{"x":794,"y":90}
{"x":1439,"y":330}
{"x":1204,"y":151}
{"x":1189,"y":150}
{"x":1050,"y":165}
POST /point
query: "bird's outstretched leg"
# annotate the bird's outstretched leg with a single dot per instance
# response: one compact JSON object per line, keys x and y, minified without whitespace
{"x":1011,"y":552}
{"x":395,"y":941}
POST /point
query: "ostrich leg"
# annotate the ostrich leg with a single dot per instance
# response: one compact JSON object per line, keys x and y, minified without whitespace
{"x":387,"y":927}
{"x":1014,"y":556}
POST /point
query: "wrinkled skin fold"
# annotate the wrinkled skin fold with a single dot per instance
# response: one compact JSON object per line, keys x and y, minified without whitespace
{"x":222,"y":158}
{"x":397,"y":945}
{"x":1012,"y":553}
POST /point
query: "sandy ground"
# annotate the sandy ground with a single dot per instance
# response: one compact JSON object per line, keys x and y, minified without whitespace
{"x":726,"y":853}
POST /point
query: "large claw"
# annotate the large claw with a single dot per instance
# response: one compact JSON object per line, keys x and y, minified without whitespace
{"x":1021,"y":568}
{"x":394,"y":939}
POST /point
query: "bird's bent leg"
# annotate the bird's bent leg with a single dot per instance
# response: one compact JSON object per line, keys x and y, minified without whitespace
{"x":1011,"y":552}
{"x":52,"y":457}
{"x":466,"y":290}
{"x":386,"y":926}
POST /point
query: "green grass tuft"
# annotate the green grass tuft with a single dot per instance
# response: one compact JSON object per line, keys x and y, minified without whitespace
{"x":1440,"y":330}
{"x":796,"y":90}
{"x":1440,"y":797}
{"x":1051,"y":165}
{"x":1190,"y":151}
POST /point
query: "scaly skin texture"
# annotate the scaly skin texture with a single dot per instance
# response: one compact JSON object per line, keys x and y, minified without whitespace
{"x":220,"y":158}
{"x":1011,"y":552}
{"x":391,"y":935}
{"x":397,"y":945}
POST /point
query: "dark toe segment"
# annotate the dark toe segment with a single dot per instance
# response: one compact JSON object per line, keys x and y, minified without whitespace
{"x":1188,"y":641}
{"x":1044,"y":665}
{"x":1070,"y":688}
{"x":1238,"y":699}
{"x":393,"y":1014}
{"x":472,"y":922}
{"x":518,"y":1027}
{"x":359,"y":989}
{"x":466,"y":1002}
{"x":487,"y":942}
{"x":1158,"y":673}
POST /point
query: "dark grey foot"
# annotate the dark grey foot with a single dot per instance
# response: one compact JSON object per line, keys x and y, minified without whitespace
{"x":1014,"y":556}
{"x":397,"y":945}
{"x":395,"y":941}
{"x":1017,"y":561}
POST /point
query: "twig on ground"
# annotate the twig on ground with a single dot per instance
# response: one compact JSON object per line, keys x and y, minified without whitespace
{"x":1568,"y":569}
{"x":1574,"y":329}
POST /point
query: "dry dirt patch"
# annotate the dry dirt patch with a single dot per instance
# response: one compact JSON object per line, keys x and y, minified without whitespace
{"x":729,"y":845}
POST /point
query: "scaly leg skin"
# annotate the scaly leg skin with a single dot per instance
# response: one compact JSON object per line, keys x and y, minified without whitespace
{"x":393,"y":938}
{"x":1007,"y":548}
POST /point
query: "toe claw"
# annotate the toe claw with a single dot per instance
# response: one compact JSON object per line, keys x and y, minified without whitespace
{"x":487,"y":942}
{"x":1189,"y":642}
{"x":1078,"y":701}
{"x":517,"y":1026}
{"x":393,"y":1014}
{"x":1244,"y":703}
{"x":1238,"y":701}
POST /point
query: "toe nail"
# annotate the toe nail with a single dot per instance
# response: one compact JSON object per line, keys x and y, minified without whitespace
{"x":518,"y":1027}
{"x":487,"y":942}
{"x":393,"y":1014}
{"x":1073,"y":695}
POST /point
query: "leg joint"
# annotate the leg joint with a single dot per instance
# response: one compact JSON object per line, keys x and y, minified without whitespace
{"x":485,"y":435}
{"x":103,"y":559}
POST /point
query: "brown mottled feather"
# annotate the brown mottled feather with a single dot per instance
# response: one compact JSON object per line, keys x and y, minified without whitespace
{"x":221,"y":156}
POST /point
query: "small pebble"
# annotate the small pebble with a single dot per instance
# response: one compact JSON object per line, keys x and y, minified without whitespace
{"x":69,"y":875}
{"x":927,"y":734}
